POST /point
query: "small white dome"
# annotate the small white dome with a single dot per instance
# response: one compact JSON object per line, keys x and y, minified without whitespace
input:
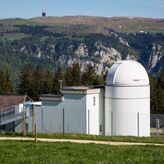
{"x":127,"y":73}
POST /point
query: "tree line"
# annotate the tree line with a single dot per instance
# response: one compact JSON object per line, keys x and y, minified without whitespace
{"x":35,"y":81}
{"x":5,"y":82}
{"x":157,"y":93}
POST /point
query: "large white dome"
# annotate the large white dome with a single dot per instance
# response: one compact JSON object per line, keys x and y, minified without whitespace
{"x":127,"y":73}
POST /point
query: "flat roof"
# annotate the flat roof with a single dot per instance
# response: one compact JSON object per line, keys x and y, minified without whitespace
{"x":51,"y":97}
{"x":73,"y":90}
{"x":82,"y":89}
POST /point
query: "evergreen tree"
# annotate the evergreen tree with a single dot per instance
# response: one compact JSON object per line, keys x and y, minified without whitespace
{"x":5,"y":82}
{"x":160,"y":101}
{"x":2,"y":79}
{"x":27,"y":86}
{"x":76,"y":74}
{"x":99,"y":80}
{"x":153,"y":94}
{"x":8,"y":83}
{"x":157,"y":93}
{"x":47,"y":81}
{"x":73,"y":75}
{"x":68,"y":76}
{"x":161,"y":80}
{"x":89,"y":76}
{"x":160,"y":97}
{"x":38,"y":82}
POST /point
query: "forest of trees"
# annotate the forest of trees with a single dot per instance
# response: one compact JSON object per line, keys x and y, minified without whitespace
{"x":40,"y":80}
{"x":157,"y":93}
{"x":5,"y":82}
{"x":35,"y":81}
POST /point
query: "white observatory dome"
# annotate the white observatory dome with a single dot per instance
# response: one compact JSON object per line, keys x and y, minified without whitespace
{"x":127,"y":73}
{"x":127,"y":100}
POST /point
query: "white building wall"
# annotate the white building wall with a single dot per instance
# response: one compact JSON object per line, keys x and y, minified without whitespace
{"x":49,"y":117}
{"x":18,"y":126}
{"x":92,"y":114}
{"x":108,"y":111}
{"x":79,"y":112}
{"x":130,"y":110}
{"x":75,"y":113}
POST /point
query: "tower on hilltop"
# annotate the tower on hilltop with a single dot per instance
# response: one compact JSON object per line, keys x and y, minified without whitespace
{"x":43,"y":11}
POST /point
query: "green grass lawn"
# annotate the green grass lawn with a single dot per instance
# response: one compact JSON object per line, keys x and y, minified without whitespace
{"x":31,"y":152}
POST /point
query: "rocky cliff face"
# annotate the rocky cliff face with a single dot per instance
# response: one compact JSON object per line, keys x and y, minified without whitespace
{"x":39,"y":46}
{"x":107,"y":55}
{"x":100,"y":59}
{"x":156,"y":56}
{"x":104,"y":56}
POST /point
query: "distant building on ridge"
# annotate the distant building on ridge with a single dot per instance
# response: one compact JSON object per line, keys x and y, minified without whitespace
{"x":43,"y":13}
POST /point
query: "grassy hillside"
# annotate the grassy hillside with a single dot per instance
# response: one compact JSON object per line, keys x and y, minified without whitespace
{"x":121,"y":24}
{"x":93,"y":24}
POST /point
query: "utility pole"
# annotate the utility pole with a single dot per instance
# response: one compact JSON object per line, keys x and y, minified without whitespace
{"x":61,"y":84}
{"x":138,"y":124}
{"x":33,"y":120}
{"x":63,"y":122}
{"x":24,"y":113}
{"x":35,"y":133}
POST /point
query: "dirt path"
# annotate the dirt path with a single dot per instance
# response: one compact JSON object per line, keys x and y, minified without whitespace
{"x":76,"y":141}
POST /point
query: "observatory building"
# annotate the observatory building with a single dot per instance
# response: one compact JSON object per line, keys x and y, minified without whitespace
{"x":127,"y":100}
{"x":120,"y":108}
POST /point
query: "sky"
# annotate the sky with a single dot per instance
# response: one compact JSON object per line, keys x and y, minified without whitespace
{"x":105,"y":8}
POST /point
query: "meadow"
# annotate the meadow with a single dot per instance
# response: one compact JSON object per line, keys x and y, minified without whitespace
{"x":39,"y":152}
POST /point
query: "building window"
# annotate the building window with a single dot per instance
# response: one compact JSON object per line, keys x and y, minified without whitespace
{"x":94,"y":101}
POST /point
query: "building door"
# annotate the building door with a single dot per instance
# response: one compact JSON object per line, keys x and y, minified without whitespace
{"x":93,"y":122}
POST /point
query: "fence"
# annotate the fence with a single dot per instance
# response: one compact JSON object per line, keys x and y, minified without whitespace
{"x":10,"y":117}
{"x":57,"y":121}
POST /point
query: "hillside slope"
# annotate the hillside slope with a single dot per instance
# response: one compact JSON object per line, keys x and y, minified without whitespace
{"x":99,"y":41}
{"x":119,"y":24}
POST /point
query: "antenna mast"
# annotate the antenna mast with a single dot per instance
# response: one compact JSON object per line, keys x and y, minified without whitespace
{"x":43,"y":12}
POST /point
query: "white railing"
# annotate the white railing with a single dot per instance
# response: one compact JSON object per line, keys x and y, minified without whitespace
{"x":13,"y":117}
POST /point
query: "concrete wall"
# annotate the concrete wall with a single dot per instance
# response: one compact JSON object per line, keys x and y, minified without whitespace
{"x":75,"y":113}
{"x":49,"y":117}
